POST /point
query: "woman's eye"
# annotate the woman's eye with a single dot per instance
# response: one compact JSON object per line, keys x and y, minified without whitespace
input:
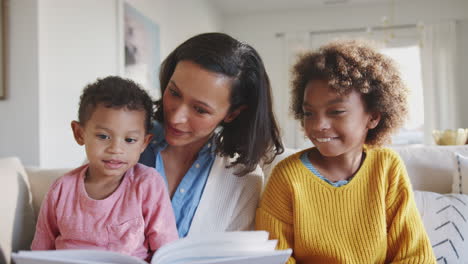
{"x":102,"y":136}
{"x":200,"y":110}
{"x":173,"y":92}
{"x":130,"y":140}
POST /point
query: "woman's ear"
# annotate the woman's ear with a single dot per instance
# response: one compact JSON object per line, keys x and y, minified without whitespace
{"x":233,"y":114}
{"x":78,"y":132}
{"x":374,"y":120}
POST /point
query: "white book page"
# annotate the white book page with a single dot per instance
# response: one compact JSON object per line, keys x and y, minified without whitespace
{"x":240,"y":240}
{"x":78,"y":256}
{"x":276,"y":257}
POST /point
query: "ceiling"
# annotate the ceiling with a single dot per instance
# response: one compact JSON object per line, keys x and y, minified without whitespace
{"x":231,"y":7}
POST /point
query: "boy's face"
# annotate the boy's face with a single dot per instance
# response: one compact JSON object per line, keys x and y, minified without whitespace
{"x":336,"y":124}
{"x":114,"y":138}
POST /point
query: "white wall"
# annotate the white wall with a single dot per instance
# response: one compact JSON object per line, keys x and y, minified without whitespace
{"x":19,"y":135}
{"x":259,"y":30}
{"x":179,"y":19}
{"x":56,"y":48}
{"x":462,"y":72}
{"x":77,"y":44}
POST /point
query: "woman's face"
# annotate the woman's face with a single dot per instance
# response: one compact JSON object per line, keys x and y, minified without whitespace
{"x":195,"y":102}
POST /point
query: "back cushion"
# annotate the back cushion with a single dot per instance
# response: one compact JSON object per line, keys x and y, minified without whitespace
{"x":431,"y":168}
{"x":41,"y":180}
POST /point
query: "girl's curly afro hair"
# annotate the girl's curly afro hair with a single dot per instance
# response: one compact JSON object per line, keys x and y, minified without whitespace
{"x":355,"y":65}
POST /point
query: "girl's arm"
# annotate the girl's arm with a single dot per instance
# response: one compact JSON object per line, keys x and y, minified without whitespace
{"x":275,"y":213}
{"x":407,"y":238}
{"x":46,"y":228}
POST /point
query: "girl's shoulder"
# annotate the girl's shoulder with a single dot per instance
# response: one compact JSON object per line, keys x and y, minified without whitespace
{"x":383,"y":154}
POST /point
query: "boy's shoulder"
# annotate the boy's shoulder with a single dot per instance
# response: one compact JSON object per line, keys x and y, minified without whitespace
{"x":67,"y":180}
{"x":71,"y":175}
{"x":143,"y":174}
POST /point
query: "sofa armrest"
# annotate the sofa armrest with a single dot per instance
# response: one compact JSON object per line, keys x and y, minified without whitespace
{"x":40,"y":181}
{"x":17,"y":221}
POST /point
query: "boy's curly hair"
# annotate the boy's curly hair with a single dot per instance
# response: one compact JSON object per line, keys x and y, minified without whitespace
{"x":114,"y":92}
{"x":354,"y":65}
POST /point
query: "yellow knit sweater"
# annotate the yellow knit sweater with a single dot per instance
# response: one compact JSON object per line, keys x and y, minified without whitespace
{"x":372,"y":219}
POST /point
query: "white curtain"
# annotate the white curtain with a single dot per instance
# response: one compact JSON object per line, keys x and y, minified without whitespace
{"x":438,"y":57}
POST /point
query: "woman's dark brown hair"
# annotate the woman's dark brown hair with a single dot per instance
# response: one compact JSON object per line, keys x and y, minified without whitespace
{"x":253,"y":136}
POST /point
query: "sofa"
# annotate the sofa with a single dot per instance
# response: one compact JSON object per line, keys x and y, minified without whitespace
{"x":435,"y":172}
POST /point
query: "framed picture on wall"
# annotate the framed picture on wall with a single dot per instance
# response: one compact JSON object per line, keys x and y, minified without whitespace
{"x":142,"y":50}
{"x":3,"y":47}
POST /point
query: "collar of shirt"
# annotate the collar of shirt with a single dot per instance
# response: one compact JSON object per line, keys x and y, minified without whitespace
{"x":188,"y":193}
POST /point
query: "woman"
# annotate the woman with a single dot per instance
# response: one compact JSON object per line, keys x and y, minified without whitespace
{"x":215,"y":125}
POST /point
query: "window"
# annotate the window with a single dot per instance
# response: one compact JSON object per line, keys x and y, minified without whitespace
{"x":409,"y":62}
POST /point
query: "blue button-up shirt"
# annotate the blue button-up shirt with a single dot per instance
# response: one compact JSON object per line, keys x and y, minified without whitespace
{"x":187,"y":196}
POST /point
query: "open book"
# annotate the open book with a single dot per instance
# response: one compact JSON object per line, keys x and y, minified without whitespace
{"x":242,"y":247}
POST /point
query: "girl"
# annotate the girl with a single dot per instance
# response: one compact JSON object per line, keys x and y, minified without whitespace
{"x":346,"y":200}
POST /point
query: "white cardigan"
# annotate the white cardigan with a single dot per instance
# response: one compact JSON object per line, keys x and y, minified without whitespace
{"x":229,"y":202}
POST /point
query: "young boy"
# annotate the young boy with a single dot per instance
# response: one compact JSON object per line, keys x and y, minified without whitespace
{"x":111,"y":203}
{"x":345,"y":200}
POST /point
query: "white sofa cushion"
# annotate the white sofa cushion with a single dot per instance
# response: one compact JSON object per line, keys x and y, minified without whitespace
{"x":460,"y":175}
{"x":431,"y":168}
{"x":445,"y":220}
{"x":41,"y":180}
{"x":17,"y":221}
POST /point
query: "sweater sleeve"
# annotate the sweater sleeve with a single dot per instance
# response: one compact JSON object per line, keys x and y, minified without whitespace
{"x":160,"y":225}
{"x":407,"y":238}
{"x":275,"y":213}
{"x":47,"y":228}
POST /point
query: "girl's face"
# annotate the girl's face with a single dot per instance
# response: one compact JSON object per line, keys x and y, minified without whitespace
{"x":336,"y":124}
{"x":195,"y":102}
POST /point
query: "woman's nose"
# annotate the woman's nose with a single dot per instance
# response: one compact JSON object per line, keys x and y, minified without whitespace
{"x":179,"y":114}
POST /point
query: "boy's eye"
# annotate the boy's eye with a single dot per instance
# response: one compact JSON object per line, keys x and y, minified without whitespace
{"x":200,"y":110}
{"x":102,"y":136}
{"x":337,"y":112}
{"x":130,"y":140}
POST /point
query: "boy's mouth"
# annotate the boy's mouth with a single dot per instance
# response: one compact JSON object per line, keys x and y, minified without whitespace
{"x":113,"y":164}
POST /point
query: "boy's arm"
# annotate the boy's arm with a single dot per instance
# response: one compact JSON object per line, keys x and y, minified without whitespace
{"x":160,"y":225}
{"x":407,"y":239}
{"x":46,"y":228}
{"x":275,"y":212}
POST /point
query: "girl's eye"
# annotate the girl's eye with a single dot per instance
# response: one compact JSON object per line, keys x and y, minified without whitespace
{"x":307,"y":114}
{"x":102,"y":136}
{"x":200,"y":110}
{"x":130,"y":140}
